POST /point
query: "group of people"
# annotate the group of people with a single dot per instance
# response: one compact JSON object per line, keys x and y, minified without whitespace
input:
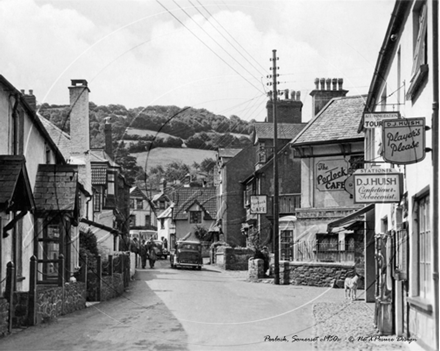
{"x":149,"y":251}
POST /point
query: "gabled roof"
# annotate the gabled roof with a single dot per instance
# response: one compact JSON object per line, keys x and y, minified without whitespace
{"x":264,"y":130}
{"x":60,"y":138}
{"x":15,"y":189}
{"x":56,"y":188}
{"x":136,"y":192}
{"x":184,"y":198}
{"x":100,"y":156}
{"x":337,"y":121}
{"x":33,"y":116}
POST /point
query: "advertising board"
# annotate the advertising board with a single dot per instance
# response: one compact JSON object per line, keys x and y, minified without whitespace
{"x":377,"y":186}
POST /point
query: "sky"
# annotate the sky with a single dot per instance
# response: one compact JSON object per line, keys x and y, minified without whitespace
{"x":212,"y":54}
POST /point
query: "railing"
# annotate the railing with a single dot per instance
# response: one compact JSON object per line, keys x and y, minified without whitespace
{"x":311,"y":251}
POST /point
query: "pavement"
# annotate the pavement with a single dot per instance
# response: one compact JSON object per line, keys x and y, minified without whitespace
{"x":342,"y":324}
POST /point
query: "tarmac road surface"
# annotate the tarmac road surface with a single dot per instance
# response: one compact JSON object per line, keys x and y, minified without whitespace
{"x":185,"y":309}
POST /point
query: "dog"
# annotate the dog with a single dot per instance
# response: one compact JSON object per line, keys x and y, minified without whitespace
{"x":350,"y":287}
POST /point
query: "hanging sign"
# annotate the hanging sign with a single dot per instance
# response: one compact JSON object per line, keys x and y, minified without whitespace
{"x":258,"y":204}
{"x":331,"y":174}
{"x":403,"y":140}
{"x":377,"y":186}
{"x":375,"y":119}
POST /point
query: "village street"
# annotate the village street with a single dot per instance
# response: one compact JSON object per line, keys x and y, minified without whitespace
{"x":184,"y":309}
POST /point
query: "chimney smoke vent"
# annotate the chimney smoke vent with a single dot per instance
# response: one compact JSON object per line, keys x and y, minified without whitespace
{"x":328,"y":82}
{"x":334,"y":83}
{"x":322,"y":81}
{"x":340,"y":81}
{"x":298,"y":96}
{"x":286,"y":94}
{"x":317,"y":83}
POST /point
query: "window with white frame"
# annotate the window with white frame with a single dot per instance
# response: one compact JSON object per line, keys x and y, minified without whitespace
{"x":424,"y":247}
{"x":111,"y":183}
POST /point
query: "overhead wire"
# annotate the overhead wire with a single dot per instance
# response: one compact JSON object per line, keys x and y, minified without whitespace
{"x":208,"y":47}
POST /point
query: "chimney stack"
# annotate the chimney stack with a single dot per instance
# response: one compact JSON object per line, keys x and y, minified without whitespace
{"x":108,"y":137}
{"x":30,"y":99}
{"x":289,"y":110}
{"x":322,"y":96}
{"x":79,"y":131}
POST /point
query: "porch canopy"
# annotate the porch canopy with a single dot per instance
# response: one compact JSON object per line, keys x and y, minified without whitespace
{"x":350,"y":219}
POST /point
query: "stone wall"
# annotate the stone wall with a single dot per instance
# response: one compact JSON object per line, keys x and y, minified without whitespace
{"x":317,"y":273}
{"x":256,"y":268}
{"x":20,"y":309}
{"x":4,"y":316}
{"x":234,"y":259}
{"x":112,"y":286}
{"x":50,"y":300}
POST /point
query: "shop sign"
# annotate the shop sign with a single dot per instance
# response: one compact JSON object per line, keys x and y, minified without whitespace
{"x":404,"y":140}
{"x":258,"y":204}
{"x":331,"y":174}
{"x":375,"y":119}
{"x":377,"y":186}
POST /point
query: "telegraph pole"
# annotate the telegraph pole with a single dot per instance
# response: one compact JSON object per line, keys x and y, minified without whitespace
{"x":275,"y":227}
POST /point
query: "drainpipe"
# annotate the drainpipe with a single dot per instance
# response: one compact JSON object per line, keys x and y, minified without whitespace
{"x":435,"y":160}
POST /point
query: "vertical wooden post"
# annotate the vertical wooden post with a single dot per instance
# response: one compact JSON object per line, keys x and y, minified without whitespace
{"x":99,"y":277}
{"x":9,"y":293}
{"x":122,"y":260}
{"x":32,"y":298}
{"x":110,"y":265}
{"x":83,"y":274}
{"x":61,"y":279}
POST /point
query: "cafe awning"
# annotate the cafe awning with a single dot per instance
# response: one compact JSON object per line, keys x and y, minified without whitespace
{"x":350,"y":219}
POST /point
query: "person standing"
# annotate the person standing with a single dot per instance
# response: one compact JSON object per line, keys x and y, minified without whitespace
{"x":151,"y":251}
{"x":165,"y":242}
{"x":144,"y":255}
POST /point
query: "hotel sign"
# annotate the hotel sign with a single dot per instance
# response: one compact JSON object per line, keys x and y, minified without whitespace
{"x":375,"y":119}
{"x":258,"y":204}
{"x":404,"y":140}
{"x":377,"y":186}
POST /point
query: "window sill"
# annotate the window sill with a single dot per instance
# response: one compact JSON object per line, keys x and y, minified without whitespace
{"x":420,"y":304}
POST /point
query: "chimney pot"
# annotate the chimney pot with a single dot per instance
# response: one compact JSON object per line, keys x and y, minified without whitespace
{"x":334,"y":83}
{"x":340,"y":82}
{"x":286,"y":94}
{"x":298,"y":95}
{"x":322,"y":81}
{"x":328,"y":82}
{"x":292,"y":95}
{"x":22,"y":91}
{"x":31,"y":92}
{"x":317,"y":83}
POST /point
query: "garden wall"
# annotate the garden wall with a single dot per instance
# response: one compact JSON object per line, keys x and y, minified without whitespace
{"x":4,"y":316}
{"x":234,"y":259}
{"x":317,"y":273}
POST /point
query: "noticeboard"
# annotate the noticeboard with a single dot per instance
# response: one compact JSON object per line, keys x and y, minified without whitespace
{"x":377,"y":186}
{"x":375,"y":119}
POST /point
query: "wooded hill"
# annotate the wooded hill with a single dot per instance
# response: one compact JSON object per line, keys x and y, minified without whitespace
{"x":196,"y":128}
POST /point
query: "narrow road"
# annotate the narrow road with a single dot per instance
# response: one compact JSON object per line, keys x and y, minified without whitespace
{"x":184,"y":309}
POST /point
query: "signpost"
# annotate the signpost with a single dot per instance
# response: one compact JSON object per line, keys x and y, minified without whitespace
{"x":404,"y":140}
{"x":374,"y":119}
{"x":258,"y":204}
{"x":377,"y":186}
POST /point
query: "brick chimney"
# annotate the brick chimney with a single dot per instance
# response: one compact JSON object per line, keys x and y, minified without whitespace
{"x":30,"y":99}
{"x":108,"y":138}
{"x":79,"y":131}
{"x":325,"y":90}
{"x":289,"y":109}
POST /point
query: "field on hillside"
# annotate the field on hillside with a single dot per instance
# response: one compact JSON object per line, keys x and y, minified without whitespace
{"x":143,"y":132}
{"x":164,"y":156}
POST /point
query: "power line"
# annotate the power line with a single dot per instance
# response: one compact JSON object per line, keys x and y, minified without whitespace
{"x":213,"y":39}
{"x":177,"y":19}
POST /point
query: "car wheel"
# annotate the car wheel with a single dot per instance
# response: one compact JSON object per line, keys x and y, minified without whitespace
{"x":199,"y":268}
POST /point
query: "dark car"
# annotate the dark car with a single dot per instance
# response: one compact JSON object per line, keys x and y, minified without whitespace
{"x":187,"y":254}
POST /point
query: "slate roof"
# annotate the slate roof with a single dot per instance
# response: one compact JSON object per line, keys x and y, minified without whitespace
{"x":99,"y":155}
{"x":337,"y":121}
{"x":56,"y":187}
{"x":264,"y":130}
{"x":15,"y":191}
{"x":60,"y":138}
{"x":226,"y":152}
{"x":184,"y":198}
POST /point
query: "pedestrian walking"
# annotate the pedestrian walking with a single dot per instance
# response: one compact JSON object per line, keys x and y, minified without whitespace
{"x":152,"y":252}
{"x":144,"y":255}
{"x":165,"y":242}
